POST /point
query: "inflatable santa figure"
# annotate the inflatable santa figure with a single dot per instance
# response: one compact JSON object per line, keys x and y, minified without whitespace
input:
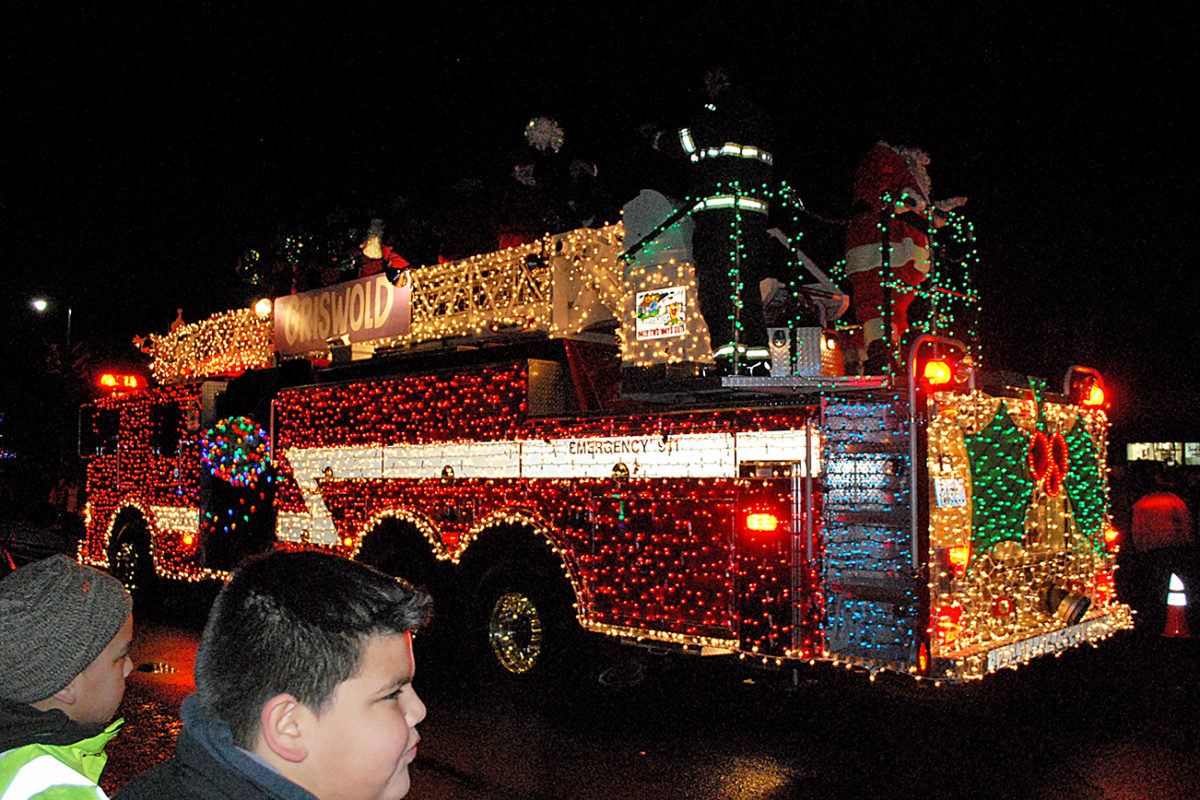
{"x":376,"y":256}
{"x":900,"y":172}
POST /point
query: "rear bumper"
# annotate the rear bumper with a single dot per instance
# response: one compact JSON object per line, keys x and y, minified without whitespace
{"x":1022,"y":651}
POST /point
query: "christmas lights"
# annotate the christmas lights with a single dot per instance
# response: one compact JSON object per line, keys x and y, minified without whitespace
{"x":154,"y":488}
{"x":222,"y":345}
{"x":871,"y":599}
{"x":1018,"y":530}
{"x":235,"y":450}
{"x":639,"y":560}
{"x":779,"y":530}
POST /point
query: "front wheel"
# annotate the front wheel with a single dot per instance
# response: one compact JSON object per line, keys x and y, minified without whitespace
{"x":129,"y":560}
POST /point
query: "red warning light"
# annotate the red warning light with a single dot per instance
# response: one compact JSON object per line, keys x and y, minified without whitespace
{"x":762,"y":522}
{"x":118,"y":383}
{"x":947,"y":623}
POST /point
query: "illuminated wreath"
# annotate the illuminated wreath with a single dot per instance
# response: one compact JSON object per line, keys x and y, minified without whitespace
{"x":236,"y":451}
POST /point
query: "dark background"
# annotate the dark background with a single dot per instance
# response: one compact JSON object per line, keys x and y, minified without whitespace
{"x":146,"y":152}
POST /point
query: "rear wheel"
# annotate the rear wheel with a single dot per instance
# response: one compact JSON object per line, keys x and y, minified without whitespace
{"x":515,"y":632}
{"x":398,"y":549}
{"x":527,"y":622}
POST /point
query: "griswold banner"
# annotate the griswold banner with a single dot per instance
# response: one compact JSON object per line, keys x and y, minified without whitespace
{"x":361,"y":310}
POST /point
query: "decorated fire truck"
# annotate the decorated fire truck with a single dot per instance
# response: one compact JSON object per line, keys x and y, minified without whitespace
{"x":537,"y":435}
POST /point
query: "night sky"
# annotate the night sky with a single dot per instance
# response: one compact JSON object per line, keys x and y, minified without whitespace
{"x":144,"y":154}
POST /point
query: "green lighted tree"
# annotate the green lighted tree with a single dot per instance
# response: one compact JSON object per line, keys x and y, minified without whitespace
{"x":1001,"y":487}
{"x":1085,"y":487}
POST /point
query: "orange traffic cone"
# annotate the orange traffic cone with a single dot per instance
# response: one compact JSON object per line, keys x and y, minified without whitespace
{"x":1176,"y":609}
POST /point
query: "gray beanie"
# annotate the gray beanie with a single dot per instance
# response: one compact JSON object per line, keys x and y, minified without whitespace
{"x":55,"y":618}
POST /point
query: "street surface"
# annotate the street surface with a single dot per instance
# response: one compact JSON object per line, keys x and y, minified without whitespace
{"x":1114,"y":722}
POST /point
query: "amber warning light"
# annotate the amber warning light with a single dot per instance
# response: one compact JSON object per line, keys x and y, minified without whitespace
{"x":120,"y":383}
{"x":1112,"y":539}
{"x":1094,"y":397}
{"x":938,"y":372}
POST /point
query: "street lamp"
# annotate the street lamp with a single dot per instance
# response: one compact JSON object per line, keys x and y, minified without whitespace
{"x":41,"y":305}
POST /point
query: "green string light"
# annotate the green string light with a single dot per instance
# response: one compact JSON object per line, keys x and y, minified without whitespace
{"x":1002,"y":490}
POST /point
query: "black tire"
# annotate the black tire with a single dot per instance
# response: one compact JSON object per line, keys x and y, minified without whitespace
{"x":400,"y":550}
{"x":525,"y":623}
{"x":129,"y":560}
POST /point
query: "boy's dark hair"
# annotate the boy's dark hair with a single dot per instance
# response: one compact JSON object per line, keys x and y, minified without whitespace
{"x":295,"y":623}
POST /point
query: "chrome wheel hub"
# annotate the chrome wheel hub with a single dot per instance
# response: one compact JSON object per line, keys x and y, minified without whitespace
{"x":515,"y":632}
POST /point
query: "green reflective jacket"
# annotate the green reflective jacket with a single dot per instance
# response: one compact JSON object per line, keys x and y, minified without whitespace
{"x":56,"y":772}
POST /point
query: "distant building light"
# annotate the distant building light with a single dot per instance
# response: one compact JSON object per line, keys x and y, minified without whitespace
{"x":1186,"y":453}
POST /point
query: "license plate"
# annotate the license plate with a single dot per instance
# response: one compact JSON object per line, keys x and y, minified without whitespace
{"x":1047,"y":643}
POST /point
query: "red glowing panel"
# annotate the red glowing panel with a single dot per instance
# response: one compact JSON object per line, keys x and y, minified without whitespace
{"x":947,"y":624}
{"x":1104,"y":589}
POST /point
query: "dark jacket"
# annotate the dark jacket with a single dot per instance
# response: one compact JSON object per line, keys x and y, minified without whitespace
{"x":207,"y":766}
{"x":731,"y":120}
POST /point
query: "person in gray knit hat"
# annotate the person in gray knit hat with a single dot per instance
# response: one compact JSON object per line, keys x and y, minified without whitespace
{"x":65,"y":633}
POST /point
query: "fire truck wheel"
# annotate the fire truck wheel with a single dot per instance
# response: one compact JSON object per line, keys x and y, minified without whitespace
{"x":129,"y":559}
{"x":400,"y":550}
{"x":516,"y":632}
{"x":528,"y":628}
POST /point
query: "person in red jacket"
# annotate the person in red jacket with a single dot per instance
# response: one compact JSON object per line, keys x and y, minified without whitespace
{"x":901,"y":172}
{"x":1162,"y":542}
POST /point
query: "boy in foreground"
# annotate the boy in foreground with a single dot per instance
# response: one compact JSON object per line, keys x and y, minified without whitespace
{"x":303,"y":688}
{"x":65,"y":632}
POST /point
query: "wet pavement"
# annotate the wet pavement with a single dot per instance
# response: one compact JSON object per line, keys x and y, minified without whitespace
{"x":1118,"y":721}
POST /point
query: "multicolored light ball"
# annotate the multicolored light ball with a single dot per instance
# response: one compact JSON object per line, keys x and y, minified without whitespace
{"x":236,"y":450}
